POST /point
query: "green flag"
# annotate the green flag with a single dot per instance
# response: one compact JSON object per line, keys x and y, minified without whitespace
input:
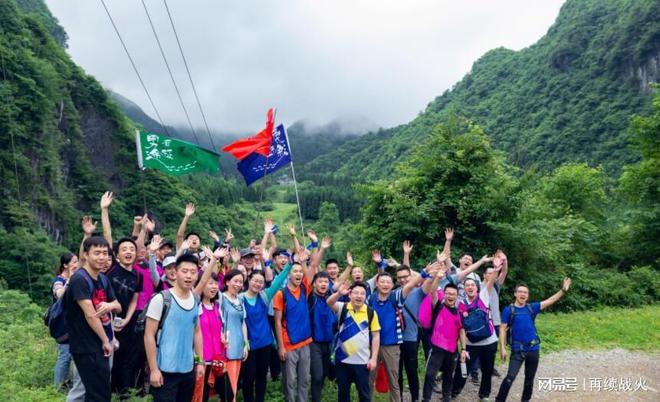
{"x":174,"y":157}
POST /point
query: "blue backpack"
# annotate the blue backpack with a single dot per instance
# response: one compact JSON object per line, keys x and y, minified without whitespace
{"x":54,"y":317}
{"x":476,"y":323}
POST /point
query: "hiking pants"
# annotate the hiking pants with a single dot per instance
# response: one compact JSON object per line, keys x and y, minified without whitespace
{"x":177,"y":387}
{"x":94,"y":371}
{"x":409,"y":362}
{"x":389,"y":356}
{"x":348,"y":374}
{"x":485,"y":357}
{"x":531,"y":360}
{"x":128,"y":361}
{"x":254,"y":372}
{"x":62,"y":364}
{"x":439,"y":360}
{"x":297,"y":374}
{"x":320,"y":367}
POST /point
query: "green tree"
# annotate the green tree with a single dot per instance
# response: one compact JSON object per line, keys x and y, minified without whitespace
{"x":453,"y":179}
{"x":639,"y":185}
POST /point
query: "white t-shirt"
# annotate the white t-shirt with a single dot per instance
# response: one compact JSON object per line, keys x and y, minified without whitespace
{"x":155,"y":309}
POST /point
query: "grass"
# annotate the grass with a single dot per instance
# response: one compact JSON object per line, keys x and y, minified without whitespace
{"x":282,"y":214}
{"x":607,"y":328}
{"x":27,"y":353}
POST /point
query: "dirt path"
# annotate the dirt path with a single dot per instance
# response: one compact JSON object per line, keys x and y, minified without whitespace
{"x":603,"y":376}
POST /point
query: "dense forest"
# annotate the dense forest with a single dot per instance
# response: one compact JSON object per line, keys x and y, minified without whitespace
{"x":550,"y":153}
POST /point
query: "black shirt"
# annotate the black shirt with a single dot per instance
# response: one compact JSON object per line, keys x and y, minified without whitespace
{"x":125,"y":284}
{"x":82,"y":339}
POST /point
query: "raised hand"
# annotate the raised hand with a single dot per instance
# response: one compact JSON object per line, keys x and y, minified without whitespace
{"x":235,"y":254}
{"x":566,"y":284}
{"x":265,"y":253}
{"x":312,"y":236}
{"x":221,"y":252}
{"x":106,"y":200}
{"x":343,"y":288}
{"x":391,"y":262}
{"x":207,"y":252}
{"x":190,"y":209}
{"x":303,"y":255}
{"x":155,"y":244}
{"x":148,"y":224}
{"x":486,"y":258}
{"x":440,"y":256}
{"x":214,"y":236}
{"x":268,"y":225}
{"x":449,"y":234}
{"x":376,"y":257}
{"x":291,"y":229}
{"x":326,"y":242}
{"x":407,"y":247}
{"x":88,"y":225}
{"x":349,"y":258}
{"x":228,"y":235}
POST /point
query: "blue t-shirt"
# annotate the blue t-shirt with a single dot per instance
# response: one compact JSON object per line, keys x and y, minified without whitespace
{"x":390,"y":327}
{"x":412,"y":303}
{"x":522,"y":329}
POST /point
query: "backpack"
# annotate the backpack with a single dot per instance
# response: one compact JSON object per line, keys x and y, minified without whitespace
{"x":510,"y":325}
{"x":476,"y":323}
{"x":141,"y":322}
{"x":54,"y":317}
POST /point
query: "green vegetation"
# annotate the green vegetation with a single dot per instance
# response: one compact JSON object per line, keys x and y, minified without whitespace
{"x":567,"y":223}
{"x":567,"y":98}
{"x":606,"y":328}
{"x":27,"y":353}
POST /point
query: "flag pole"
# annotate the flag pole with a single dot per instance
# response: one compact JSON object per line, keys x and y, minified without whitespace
{"x":295,"y":187}
{"x":261,"y":197}
{"x":141,"y":167}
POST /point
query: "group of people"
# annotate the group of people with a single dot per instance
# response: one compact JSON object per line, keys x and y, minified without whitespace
{"x":184,"y":321}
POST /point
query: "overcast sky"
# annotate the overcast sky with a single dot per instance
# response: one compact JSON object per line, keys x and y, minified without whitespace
{"x":315,"y":60}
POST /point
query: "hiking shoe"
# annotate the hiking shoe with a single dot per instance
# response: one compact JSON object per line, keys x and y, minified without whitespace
{"x":475,"y":379}
{"x":496,"y":373}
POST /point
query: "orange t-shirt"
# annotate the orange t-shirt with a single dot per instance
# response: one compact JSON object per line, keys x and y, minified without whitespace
{"x":278,"y":304}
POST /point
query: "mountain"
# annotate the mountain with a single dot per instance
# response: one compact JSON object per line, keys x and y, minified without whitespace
{"x":568,"y":97}
{"x":63,"y":142}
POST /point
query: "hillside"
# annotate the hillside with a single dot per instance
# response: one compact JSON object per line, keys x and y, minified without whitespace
{"x":568,"y":97}
{"x":64,"y":142}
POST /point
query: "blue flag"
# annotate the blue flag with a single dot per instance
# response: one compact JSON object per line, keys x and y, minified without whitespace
{"x":252,"y":168}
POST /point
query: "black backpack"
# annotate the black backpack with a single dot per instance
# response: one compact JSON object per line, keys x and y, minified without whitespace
{"x":510,"y":324}
{"x":141,"y":322}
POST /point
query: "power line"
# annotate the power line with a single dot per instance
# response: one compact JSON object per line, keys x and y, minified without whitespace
{"x":169,"y":70}
{"x":185,"y":63}
{"x":112,"y":21}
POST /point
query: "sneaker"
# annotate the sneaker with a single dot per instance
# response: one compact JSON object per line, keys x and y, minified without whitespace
{"x":437,"y":388}
{"x":484,"y":399}
{"x":496,"y":373}
{"x":475,"y":379}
